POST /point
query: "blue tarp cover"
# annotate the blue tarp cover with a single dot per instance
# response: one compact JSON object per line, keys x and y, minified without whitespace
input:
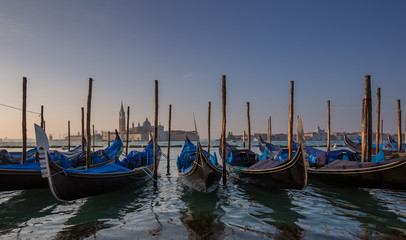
{"x":132,"y":160}
{"x":27,"y":166}
{"x":271,"y":150}
{"x":20,"y":154}
{"x":339,"y":154}
{"x":77,"y":158}
{"x":242,"y":158}
{"x":188,"y":155}
{"x":316,"y":157}
{"x":8,"y":158}
{"x":378,"y":158}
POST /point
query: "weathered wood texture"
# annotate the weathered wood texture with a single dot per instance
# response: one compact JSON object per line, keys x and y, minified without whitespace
{"x":223,"y":129}
{"x":88,"y":121}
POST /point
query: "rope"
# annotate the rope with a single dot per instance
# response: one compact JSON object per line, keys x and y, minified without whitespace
{"x":149,"y":174}
{"x":16,"y":108}
{"x":59,"y":173}
{"x":236,"y":170}
{"x":164,"y":155}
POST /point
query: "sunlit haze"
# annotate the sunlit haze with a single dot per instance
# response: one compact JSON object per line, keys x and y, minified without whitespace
{"x":326,"y":47}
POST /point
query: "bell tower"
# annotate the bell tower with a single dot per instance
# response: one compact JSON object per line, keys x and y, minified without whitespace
{"x":121,"y":123}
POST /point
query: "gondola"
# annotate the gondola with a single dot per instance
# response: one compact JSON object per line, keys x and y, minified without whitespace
{"x":388,"y":174}
{"x":28,"y":175}
{"x":246,"y":166}
{"x":393,"y":143}
{"x":357,"y":147}
{"x":250,"y":168}
{"x":71,"y":184}
{"x":198,"y":169}
{"x":315,"y":157}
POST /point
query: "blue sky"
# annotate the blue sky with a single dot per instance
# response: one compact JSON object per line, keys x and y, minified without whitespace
{"x":326,"y":46}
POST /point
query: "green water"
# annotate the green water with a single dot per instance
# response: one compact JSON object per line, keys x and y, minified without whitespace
{"x":235,"y":211}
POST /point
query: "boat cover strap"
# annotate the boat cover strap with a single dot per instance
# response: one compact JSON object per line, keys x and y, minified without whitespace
{"x":264,"y":164}
{"x":108,"y":168}
{"x":342,"y":164}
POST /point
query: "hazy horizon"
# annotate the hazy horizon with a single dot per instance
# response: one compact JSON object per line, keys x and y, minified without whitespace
{"x":326,"y":47}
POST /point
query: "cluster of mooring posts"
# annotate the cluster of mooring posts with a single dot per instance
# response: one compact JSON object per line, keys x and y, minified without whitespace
{"x":366,"y":122}
{"x":366,"y":135}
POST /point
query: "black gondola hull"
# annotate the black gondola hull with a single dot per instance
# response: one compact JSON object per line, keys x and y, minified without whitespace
{"x":70,"y":186}
{"x":21,"y":179}
{"x":290,"y":175}
{"x":203,"y":176}
{"x":389,"y":176}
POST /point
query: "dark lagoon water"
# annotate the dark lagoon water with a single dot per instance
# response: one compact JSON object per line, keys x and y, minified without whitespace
{"x":235,"y":211}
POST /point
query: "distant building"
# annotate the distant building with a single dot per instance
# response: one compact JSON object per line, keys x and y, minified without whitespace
{"x":337,"y":136}
{"x":232,"y":137}
{"x":318,"y":135}
{"x":78,"y":137}
{"x":275,"y":137}
{"x":143,"y":132}
{"x":179,"y":135}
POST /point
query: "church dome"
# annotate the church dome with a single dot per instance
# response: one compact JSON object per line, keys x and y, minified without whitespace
{"x":146,"y":123}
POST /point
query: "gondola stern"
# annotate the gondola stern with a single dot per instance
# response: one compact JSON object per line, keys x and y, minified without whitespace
{"x":43,"y":155}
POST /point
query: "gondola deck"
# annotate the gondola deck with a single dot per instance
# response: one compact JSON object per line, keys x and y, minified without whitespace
{"x":203,"y":175}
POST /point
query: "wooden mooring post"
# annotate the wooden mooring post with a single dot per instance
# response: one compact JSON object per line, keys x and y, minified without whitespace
{"x":243,"y":139}
{"x":93,"y":140}
{"x":399,"y":126}
{"x":169,"y":140}
{"x":89,"y":105}
{"x":364,"y":131}
{"x":381,"y":131}
{"x":42,"y":116}
{"x":208,"y":126}
{"x":249,"y":126}
{"x":24,"y":121}
{"x":328,"y":126}
{"x":83,"y":129}
{"x":156,"y":134}
{"x":290,"y":127}
{"x":68,"y":135}
{"x":368,"y":98}
{"x":378,"y":119}
{"x":127,"y":134}
{"x":108,"y":138}
{"x":269,"y":135}
{"x":223,"y":129}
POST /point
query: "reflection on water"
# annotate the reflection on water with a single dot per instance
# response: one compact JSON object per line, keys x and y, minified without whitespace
{"x":21,"y":206}
{"x":238,"y":211}
{"x":281,"y":212}
{"x":364,"y":210}
{"x":202,"y":216}
{"x":263,"y":212}
{"x":96,"y":213}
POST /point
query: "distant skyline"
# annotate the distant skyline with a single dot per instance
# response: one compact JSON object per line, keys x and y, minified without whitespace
{"x":326,"y":47}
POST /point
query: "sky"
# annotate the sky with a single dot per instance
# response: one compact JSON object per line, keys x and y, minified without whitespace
{"x":327,"y":47}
